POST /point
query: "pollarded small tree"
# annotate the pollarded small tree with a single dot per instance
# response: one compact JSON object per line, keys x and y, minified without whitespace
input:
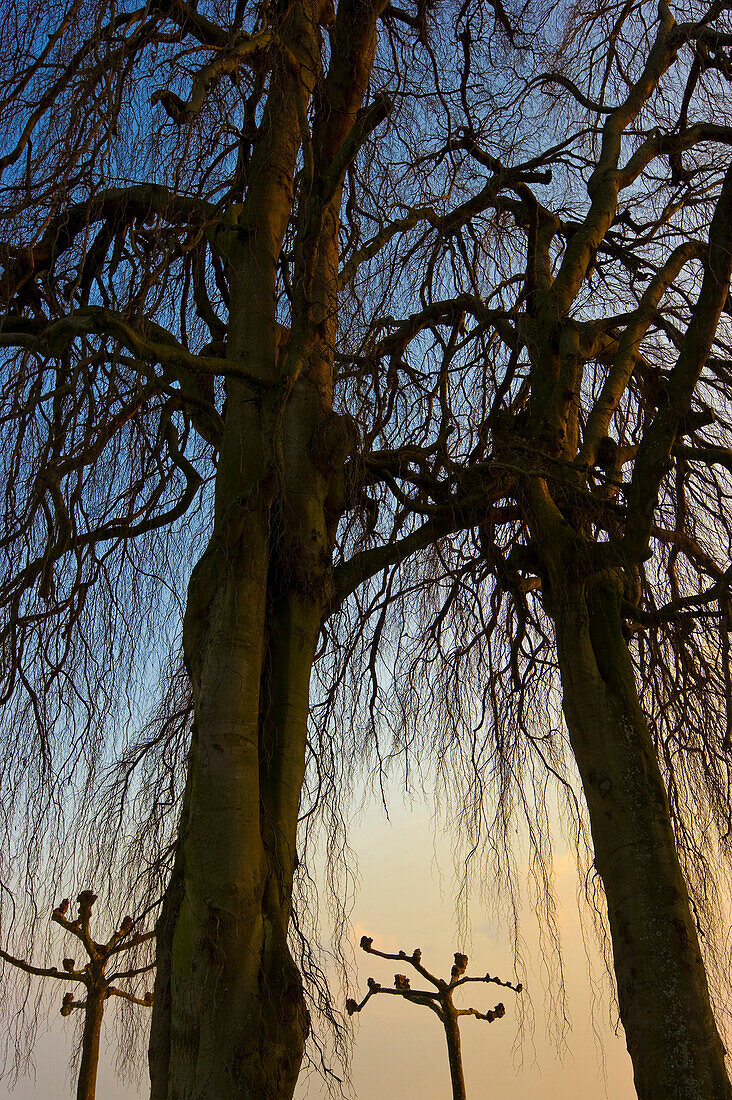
{"x":439,"y":998}
{"x":94,"y":976}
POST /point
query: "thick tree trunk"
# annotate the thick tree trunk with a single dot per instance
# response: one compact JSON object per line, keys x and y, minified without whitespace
{"x":663,"y":996}
{"x":86,"y":1088}
{"x":231,"y":1020}
{"x":236,"y":1020}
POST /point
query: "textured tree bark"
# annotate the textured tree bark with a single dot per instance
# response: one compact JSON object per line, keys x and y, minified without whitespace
{"x":662,"y":988}
{"x":86,"y":1088}
{"x":229,"y":1019}
{"x":235,"y":1023}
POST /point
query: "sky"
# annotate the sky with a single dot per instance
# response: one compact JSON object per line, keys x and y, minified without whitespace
{"x":405,"y":899}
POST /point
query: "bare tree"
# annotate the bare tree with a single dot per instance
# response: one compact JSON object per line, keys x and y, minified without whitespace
{"x":601,"y":458}
{"x":98,"y":983}
{"x":439,"y":999}
{"x":171,"y":273}
{"x":411,"y":325}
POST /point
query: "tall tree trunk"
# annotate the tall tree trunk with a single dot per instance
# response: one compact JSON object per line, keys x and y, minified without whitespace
{"x":236,"y":1021}
{"x":232,"y":1021}
{"x":662,"y":988}
{"x":86,"y":1088}
{"x":229,"y":1019}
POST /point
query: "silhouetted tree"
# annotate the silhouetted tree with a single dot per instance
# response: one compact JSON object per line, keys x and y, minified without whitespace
{"x":439,"y":1000}
{"x":93,"y":975}
{"x":411,"y":325}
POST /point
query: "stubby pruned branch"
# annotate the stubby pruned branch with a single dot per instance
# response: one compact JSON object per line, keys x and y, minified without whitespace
{"x":41,"y":971}
{"x":93,"y":974}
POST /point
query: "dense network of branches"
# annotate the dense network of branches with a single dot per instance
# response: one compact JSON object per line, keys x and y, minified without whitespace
{"x":475,"y":181}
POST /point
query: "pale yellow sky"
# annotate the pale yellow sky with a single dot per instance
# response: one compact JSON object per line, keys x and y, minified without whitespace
{"x":406,"y":899}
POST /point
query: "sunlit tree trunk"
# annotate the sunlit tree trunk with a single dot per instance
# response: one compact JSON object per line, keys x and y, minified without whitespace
{"x":237,"y":1022}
